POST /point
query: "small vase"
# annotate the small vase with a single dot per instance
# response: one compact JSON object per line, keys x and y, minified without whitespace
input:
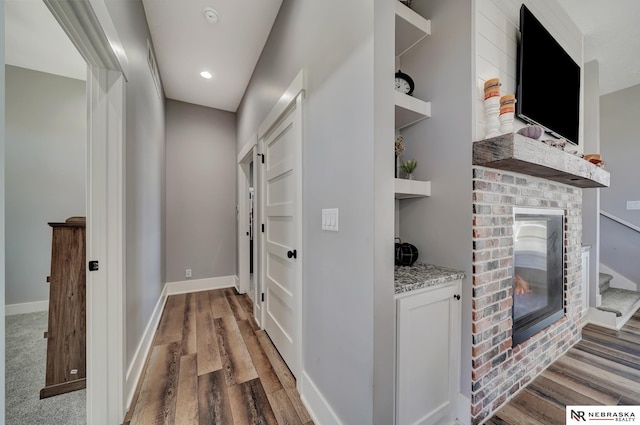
{"x":491,"y":110}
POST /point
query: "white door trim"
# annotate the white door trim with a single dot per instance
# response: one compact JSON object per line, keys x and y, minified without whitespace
{"x":105,"y":202}
{"x":291,"y":98}
{"x":288,"y":98}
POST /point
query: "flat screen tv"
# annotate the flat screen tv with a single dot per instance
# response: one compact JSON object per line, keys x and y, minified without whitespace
{"x":548,"y":81}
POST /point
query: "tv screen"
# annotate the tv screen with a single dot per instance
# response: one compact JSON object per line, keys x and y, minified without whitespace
{"x":548,"y":81}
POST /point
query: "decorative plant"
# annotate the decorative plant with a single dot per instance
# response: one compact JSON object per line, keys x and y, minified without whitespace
{"x":409,"y":166}
{"x":399,"y":145}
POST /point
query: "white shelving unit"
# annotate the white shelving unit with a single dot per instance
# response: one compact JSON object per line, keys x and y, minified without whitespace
{"x":410,"y":110}
{"x":411,"y":29}
{"x":407,"y":189}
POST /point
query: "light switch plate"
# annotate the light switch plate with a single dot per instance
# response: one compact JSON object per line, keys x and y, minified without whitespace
{"x":330,"y":219}
{"x":633,"y":205}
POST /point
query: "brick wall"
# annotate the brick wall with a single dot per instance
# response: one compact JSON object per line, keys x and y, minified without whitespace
{"x":498,"y":370}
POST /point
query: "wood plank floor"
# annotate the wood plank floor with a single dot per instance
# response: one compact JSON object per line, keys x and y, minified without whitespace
{"x":602,"y":369}
{"x":210,"y":364}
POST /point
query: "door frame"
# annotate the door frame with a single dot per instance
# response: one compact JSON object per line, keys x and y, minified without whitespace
{"x":245,"y":157}
{"x":291,"y":99}
{"x":89,"y":26}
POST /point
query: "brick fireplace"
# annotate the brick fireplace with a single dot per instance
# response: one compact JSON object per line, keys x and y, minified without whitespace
{"x":500,"y":368}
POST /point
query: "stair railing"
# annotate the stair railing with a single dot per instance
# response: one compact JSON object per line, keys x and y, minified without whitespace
{"x":620,"y":221}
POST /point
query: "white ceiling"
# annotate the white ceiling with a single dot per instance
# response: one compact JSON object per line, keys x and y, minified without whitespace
{"x":186,"y":44}
{"x":34,"y":40}
{"x":612,"y":36}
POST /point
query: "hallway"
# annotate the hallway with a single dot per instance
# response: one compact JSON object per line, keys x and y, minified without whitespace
{"x":210,"y":363}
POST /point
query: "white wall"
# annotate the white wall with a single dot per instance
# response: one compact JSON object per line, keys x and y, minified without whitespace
{"x":497,"y":24}
{"x":45,"y":173}
{"x":144,"y":175}
{"x":201,"y":191}
{"x":336,"y":51}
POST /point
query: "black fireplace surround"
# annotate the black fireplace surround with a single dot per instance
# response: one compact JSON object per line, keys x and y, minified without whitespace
{"x":538,"y":296}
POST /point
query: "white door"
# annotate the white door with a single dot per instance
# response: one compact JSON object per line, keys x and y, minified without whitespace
{"x":281,"y":268}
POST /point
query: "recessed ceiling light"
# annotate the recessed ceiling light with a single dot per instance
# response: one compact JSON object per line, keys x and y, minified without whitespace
{"x":206,"y":75}
{"x":211,"y":15}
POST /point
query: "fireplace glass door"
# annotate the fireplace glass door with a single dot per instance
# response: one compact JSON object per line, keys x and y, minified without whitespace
{"x":538,"y":270}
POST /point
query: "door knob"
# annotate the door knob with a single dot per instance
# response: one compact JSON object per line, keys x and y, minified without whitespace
{"x":457,"y":297}
{"x":292,"y":254}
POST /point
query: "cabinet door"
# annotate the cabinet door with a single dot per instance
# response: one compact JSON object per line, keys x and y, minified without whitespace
{"x":428,"y":356}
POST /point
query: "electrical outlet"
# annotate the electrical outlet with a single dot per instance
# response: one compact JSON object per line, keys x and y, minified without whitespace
{"x":187,"y":273}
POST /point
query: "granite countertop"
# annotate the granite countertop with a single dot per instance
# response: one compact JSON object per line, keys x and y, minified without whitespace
{"x":422,"y":275}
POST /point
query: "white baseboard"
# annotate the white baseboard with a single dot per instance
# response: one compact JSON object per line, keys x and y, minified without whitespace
{"x":197,"y":285}
{"x":142,"y":352}
{"x":11,"y":309}
{"x":464,"y":410}
{"x":317,"y":406}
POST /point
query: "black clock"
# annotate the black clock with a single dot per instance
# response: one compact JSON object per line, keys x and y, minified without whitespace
{"x":404,"y":83}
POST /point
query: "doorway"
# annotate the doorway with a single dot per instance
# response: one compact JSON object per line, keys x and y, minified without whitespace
{"x":88,"y":25}
{"x":45,"y":182}
{"x":248,"y":229}
{"x":281,"y":247}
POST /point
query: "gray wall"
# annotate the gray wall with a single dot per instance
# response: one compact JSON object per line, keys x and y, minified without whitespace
{"x":201,"y":191}
{"x":336,"y":51}
{"x":440,"y":226}
{"x":619,"y":112}
{"x":591,"y":197}
{"x":144,"y":175}
{"x":2,"y":213}
{"x":45,"y":173}
{"x":619,"y":124}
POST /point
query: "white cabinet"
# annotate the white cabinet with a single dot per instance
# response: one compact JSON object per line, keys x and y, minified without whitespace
{"x":428,"y":355}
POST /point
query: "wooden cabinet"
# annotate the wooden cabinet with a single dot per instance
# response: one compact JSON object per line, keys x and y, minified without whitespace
{"x":66,"y":332}
{"x":428,"y":355}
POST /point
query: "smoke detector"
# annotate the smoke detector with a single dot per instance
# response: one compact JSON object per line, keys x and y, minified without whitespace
{"x":211,"y":15}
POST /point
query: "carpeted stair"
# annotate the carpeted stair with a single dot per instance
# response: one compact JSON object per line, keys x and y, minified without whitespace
{"x":605,"y":280}
{"x":616,"y":300}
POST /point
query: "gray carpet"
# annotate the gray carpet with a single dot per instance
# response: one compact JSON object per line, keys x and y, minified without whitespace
{"x":618,"y":301}
{"x":25,"y":376}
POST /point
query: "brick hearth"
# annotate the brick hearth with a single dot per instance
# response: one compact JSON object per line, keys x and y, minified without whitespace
{"x":498,"y":369}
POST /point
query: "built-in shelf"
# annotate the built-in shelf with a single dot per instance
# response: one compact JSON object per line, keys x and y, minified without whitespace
{"x":520,"y":154}
{"x":406,"y":189}
{"x":410,"y":28}
{"x":410,"y":110}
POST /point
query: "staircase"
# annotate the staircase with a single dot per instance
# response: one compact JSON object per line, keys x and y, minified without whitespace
{"x":617,"y":305}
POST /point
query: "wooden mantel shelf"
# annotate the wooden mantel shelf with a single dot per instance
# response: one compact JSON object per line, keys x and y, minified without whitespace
{"x":520,"y":154}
